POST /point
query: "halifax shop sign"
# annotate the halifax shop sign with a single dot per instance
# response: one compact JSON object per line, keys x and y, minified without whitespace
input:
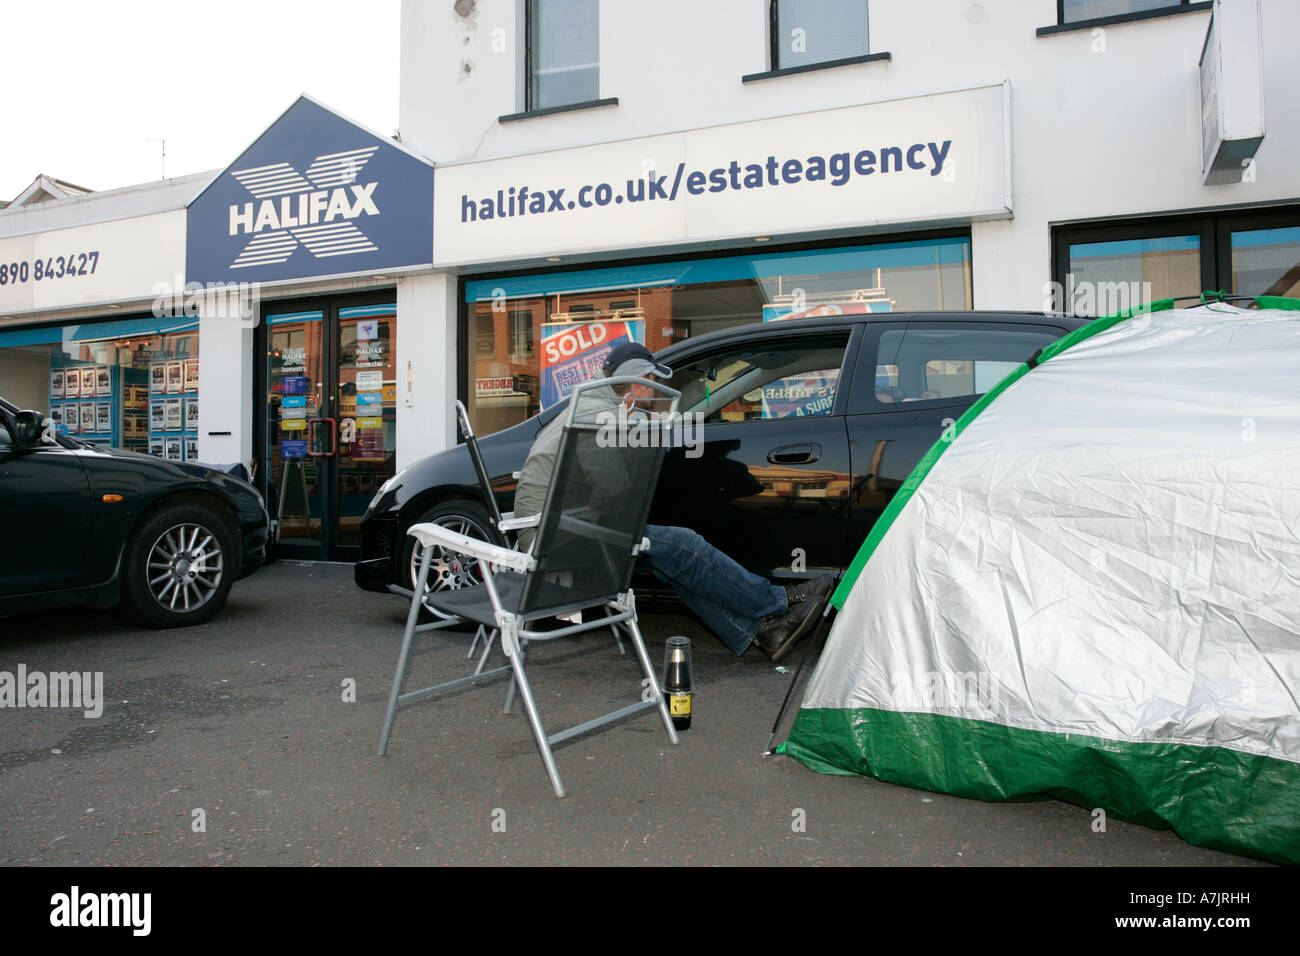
{"x":315,"y":195}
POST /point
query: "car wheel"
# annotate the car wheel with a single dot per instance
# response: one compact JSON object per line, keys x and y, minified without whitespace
{"x":179,"y":566}
{"x":449,"y":571}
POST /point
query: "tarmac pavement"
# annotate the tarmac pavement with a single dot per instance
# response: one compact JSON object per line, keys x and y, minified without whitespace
{"x":232,"y":743}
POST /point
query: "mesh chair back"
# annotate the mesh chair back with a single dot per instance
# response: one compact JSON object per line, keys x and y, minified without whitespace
{"x":606,"y":470}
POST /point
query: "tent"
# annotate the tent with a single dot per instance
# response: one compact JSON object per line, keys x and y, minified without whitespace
{"x":1089,"y":589}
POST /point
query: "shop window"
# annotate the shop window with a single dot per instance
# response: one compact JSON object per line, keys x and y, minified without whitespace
{"x":1076,"y":11}
{"x":485,"y":336}
{"x":817,"y":32}
{"x":1108,"y":277}
{"x":1266,"y":261}
{"x":1104,"y":269}
{"x":557,"y":327}
{"x":127,"y":383}
{"x":563,"y":53}
{"x":521,"y":335}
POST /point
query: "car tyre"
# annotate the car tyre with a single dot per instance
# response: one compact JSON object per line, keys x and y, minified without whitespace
{"x":179,"y":566}
{"x":448,"y":571}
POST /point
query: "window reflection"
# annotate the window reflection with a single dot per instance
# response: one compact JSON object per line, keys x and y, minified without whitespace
{"x":535,"y":337}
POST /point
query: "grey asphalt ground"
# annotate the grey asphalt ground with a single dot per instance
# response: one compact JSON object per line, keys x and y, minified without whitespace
{"x":244,"y":719}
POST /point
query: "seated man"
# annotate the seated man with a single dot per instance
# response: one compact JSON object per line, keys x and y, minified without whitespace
{"x":740,"y":607}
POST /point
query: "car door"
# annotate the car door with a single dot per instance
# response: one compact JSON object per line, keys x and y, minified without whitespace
{"x":913,"y":380}
{"x":768,"y":483}
{"x":45,"y":517}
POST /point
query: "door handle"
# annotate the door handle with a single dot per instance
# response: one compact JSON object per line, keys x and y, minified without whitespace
{"x":334,"y":438}
{"x":801,"y":454}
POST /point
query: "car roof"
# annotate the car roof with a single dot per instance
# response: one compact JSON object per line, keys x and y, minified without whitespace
{"x":829,"y":322}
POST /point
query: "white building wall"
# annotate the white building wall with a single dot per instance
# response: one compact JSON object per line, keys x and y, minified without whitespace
{"x":426,"y":346}
{"x":1105,"y":124}
{"x":225,"y":382}
{"x":104,"y":206}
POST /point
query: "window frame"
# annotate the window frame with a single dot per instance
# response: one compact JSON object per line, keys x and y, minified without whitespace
{"x":1213,"y":229}
{"x":8,"y":443}
{"x":531,"y":109}
{"x":1175,"y":8}
{"x":796,"y":338}
{"x":857,"y":323}
{"x":864,"y":401}
{"x":774,"y":46}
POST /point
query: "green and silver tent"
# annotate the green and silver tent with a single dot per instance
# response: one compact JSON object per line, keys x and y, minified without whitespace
{"x":1090,"y":589}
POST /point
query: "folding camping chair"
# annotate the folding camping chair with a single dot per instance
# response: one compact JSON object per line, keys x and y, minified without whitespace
{"x":588,"y":535}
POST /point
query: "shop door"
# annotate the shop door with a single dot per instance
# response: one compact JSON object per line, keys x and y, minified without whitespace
{"x":329,"y":423}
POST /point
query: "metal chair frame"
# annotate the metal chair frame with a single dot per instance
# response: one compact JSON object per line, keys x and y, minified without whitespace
{"x":619,"y":606}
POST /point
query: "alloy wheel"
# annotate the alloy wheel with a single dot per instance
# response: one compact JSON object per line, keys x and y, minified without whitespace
{"x":447,"y":570}
{"x":185,"y":567}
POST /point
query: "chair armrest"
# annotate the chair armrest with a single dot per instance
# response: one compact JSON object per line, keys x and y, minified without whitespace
{"x":511,"y":523}
{"x":433,"y":534}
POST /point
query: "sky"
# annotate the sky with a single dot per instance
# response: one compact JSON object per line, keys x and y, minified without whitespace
{"x":92,"y":85}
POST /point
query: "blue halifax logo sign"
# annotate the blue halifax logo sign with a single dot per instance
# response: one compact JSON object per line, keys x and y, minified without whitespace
{"x":315,"y":195}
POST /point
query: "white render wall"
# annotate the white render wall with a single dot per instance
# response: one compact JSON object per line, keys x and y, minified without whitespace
{"x":110,"y":204}
{"x":225,"y":383}
{"x":1104,"y":125}
{"x":426,"y":344}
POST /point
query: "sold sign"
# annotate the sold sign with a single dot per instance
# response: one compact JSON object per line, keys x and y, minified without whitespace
{"x":573,"y":352}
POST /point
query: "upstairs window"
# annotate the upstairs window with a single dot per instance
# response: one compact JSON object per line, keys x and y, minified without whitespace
{"x":563,"y":53}
{"x":1074,"y":11}
{"x":811,"y":32}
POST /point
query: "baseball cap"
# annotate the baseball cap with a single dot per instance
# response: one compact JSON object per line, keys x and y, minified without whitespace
{"x":632,"y":358}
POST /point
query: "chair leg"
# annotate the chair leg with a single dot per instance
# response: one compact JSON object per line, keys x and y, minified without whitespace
{"x":487,"y":649}
{"x":509,"y":641}
{"x":412,"y":616}
{"x":510,"y":688}
{"x":644,"y":656}
{"x":478,"y":636}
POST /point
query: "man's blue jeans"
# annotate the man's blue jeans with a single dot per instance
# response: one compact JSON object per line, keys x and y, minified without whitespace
{"x":727,"y":598}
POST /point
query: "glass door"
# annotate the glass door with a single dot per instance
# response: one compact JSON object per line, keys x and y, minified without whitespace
{"x":367,"y":426}
{"x":297,"y":417}
{"x":329,"y":423}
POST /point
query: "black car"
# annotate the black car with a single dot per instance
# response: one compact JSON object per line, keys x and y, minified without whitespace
{"x":809,"y":427}
{"x":85,"y":524}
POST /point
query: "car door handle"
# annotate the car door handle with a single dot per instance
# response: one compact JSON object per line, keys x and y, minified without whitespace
{"x":795,"y":454}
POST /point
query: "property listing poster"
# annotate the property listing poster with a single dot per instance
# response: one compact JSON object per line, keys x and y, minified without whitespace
{"x":573,"y":353}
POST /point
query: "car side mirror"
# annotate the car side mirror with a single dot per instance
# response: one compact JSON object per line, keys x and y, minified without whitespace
{"x":28,"y":430}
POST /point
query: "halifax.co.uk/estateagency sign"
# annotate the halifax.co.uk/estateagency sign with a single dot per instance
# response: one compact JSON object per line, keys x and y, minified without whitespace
{"x":315,"y":195}
{"x":941,"y":159}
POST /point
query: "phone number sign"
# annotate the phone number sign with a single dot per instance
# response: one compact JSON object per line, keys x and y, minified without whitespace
{"x":85,"y":265}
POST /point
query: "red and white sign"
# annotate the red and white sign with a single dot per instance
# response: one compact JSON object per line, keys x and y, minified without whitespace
{"x":573,"y":352}
{"x":489,"y":387}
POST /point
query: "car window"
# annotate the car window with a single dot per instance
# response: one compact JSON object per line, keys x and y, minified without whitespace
{"x":920,"y":364}
{"x":759,"y":381}
{"x":6,"y":437}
